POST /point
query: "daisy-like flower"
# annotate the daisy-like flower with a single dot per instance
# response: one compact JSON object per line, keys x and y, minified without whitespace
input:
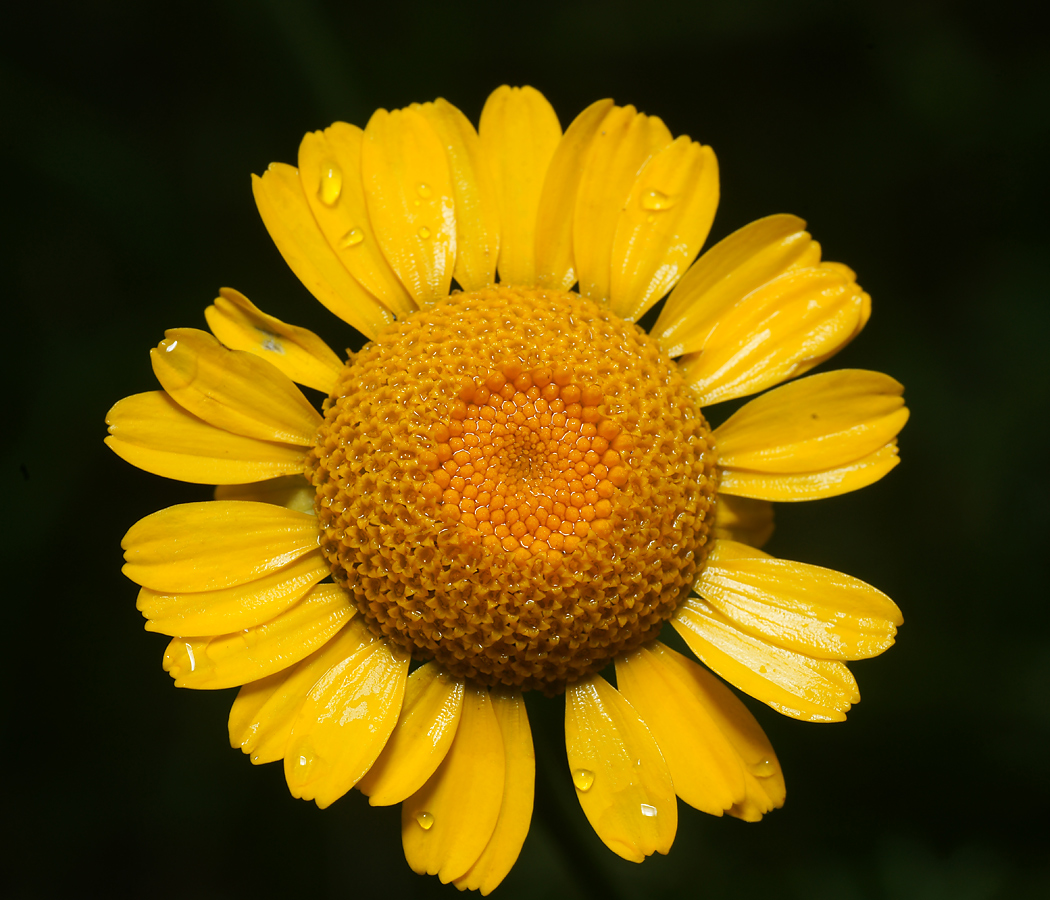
{"x":511,"y":485}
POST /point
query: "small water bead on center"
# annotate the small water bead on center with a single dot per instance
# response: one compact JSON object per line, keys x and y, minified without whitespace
{"x":657,"y":200}
{"x":352,"y":238}
{"x":647,"y":810}
{"x":425,"y":820}
{"x":528,"y":461}
{"x":331,"y":183}
{"x":763,"y":768}
{"x":583,"y":779}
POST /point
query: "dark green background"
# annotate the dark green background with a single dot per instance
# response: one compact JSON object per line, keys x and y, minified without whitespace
{"x":913,"y":138}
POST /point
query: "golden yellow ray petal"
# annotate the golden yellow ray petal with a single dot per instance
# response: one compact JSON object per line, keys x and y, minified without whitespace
{"x":297,"y":352}
{"x":555,"y":265}
{"x":233,"y":389}
{"x":153,"y":432}
{"x":345,"y":720}
{"x":728,"y":272}
{"x":232,"y":608}
{"x":706,"y":771}
{"x":743,"y":519}
{"x":764,"y":788}
{"x":291,"y":492}
{"x":408,"y":189}
{"x":663,"y":226}
{"x":810,"y":485}
{"x":330,"y":173}
{"x":215,"y":544}
{"x":621,"y":778}
{"x":820,"y":422}
{"x":810,"y":610}
{"x":626,"y":141}
{"x":796,"y":685}
{"x":424,"y":733}
{"x":230,"y":660}
{"x":477,"y":212}
{"x":287,"y":216}
{"x":446,"y":824}
{"x":264,"y":711}
{"x":519,"y":132}
{"x":515,"y":813}
{"x":780,"y":330}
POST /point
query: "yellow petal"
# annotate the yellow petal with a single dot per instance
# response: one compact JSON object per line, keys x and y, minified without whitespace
{"x":330,"y":172}
{"x":743,"y":519}
{"x":446,"y":825}
{"x":763,"y":778}
{"x":297,"y":352}
{"x":663,"y":226}
{"x":424,"y":732}
{"x":728,"y":272}
{"x":812,"y":689}
{"x":776,"y":332}
{"x":519,"y":132}
{"x":626,"y":141}
{"x":820,"y":422}
{"x":286,"y":214}
{"x":814,"y":611}
{"x":291,"y":492}
{"x":233,"y":389}
{"x":621,"y":779}
{"x":410,"y":200}
{"x":811,"y":485}
{"x":555,"y":266}
{"x":153,"y":432}
{"x":229,"y":660}
{"x":345,"y":720}
{"x":515,"y":813}
{"x":706,"y":771}
{"x":264,"y":712}
{"x":215,"y":544}
{"x":477,"y":213}
{"x":232,"y":608}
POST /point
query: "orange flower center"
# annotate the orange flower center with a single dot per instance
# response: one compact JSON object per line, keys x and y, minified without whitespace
{"x":515,"y":483}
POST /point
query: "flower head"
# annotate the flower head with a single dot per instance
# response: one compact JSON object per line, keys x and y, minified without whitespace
{"x":511,"y":485}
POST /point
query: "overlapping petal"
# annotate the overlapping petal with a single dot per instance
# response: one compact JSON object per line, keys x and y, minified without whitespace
{"x":621,"y":778}
{"x":232,"y":389}
{"x":230,"y":660}
{"x":446,"y":825}
{"x":233,"y":608}
{"x":428,"y":722}
{"x":519,"y":133}
{"x":346,"y":719}
{"x":408,"y":188}
{"x":743,"y":519}
{"x":288,"y":218}
{"x":817,"y":424}
{"x":297,"y":352}
{"x":215,"y":544}
{"x":156,"y":434}
{"x":291,"y":491}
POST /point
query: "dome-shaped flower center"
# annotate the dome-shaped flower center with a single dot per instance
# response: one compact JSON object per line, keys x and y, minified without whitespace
{"x":515,"y":483}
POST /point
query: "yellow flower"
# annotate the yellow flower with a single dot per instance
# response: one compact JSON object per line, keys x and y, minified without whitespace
{"x":511,"y":484}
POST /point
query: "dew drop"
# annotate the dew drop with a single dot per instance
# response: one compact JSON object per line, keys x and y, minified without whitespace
{"x":425,"y":820}
{"x":331,"y":184}
{"x":170,"y":346}
{"x":763,"y":768}
{"x":583,"y":779}
{"x":352,"y":238}
{"x":424,"y":232}
{"x":424,"y":191}
{"x":657,"y":200}
{"x":648,"y":811}
{"x":302,"y":764}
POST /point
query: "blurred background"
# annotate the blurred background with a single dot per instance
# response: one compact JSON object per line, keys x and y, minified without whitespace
{"x":911,"y":136}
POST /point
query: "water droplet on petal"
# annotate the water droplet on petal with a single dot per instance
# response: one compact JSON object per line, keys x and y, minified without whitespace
{"x":170,"y":346}
{"x":331,"y":184}
{"x":424,"y":191}
{"x":424,"y":232}
{"x":425,"y":820}
{"x":648,"y":810}
{"x":583,"y":779}
{"x":352,"y":238}
{"x":302,"y":763}
{"x":657,"y":200}
{"x":763,"y":768}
